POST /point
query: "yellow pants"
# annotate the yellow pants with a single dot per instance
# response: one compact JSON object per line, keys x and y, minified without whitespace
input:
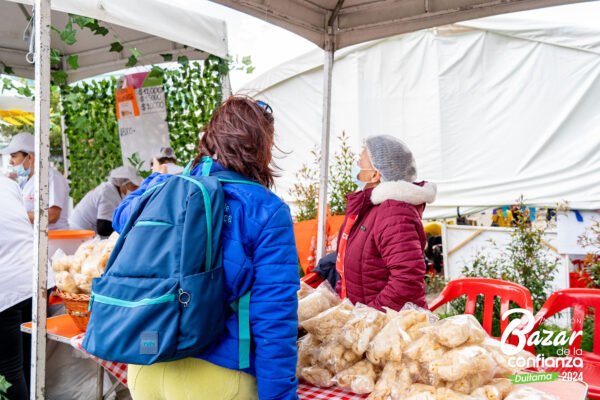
{"x":191,"y":379}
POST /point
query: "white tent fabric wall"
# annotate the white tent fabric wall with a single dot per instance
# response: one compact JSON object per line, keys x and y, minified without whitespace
{"x":489,"y":116}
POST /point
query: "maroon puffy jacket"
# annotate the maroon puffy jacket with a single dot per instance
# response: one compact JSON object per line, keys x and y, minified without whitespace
{"x":384,"y":264}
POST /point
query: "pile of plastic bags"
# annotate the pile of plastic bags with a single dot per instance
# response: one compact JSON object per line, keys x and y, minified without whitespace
{"x":74,"y":273}
{"x":401,"y":355}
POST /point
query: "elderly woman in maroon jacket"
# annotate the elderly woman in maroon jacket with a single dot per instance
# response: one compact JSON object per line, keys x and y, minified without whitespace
{"x":380,"y":251}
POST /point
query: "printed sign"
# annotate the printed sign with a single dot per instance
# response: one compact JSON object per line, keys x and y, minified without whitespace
{"x":142,"y":114}
{"x":570,"y":362}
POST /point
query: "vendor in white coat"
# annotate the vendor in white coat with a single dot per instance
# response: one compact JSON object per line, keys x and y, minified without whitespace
{"x":94,"y":212}
{"x":16,"y":268}
{"x":22,"y":161}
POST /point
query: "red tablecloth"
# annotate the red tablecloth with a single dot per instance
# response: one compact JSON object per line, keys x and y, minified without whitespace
{"x":118,"y":370}
{"x":564,"y":390}
{"x":307,"y":392}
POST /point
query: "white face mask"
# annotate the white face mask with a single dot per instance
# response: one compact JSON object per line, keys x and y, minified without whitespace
{"x":356,"y":170}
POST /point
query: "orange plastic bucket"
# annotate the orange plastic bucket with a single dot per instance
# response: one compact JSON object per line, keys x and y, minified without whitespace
{"x":67,"y":240}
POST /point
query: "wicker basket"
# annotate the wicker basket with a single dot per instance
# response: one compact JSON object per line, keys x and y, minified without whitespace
{"x":77,"y":308}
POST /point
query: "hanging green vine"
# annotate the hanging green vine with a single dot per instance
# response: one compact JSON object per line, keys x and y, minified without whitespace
{"x":192,"y":92}
{"x":92,"y":130}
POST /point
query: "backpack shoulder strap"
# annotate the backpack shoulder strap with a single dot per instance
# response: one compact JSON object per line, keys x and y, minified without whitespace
{"x":242,"y":307}
{"x":222,"y":176}
{"x":234,"y":177}
{"x":207,"y":163}
{"x":244,"y":330}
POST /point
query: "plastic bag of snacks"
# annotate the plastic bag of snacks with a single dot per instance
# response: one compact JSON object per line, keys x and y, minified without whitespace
{"x":432,"y":393}
{"x":83,"y":282}
{"x":61,"y":262}
{"x":425,"y":349}
{"x":393,"y":383}
{"x":497,"y":389}
{"x":414,"y":319}
{"x":389,"y":344}
{"x":95,"y":264}
{"x":317,"y":376}
{"x":449,"y":394}
{"x":466,"y":367}
{"x":358,"y":332}
{"x":528,"y":393}
{"x":470,"y":383}
{"x":418,"y":391}
{"x":329,"y":322}
{"x":335,"y":356}
{"x":359,"y":379}
{"x":75,"y":272}
{"x":420,"y":314}
{"x":304,"y":291}
{"x":308,"y":351}
{"x":87,"y":248}
{"x":504,"y":361}
{"x":458,"y":330}
{"x":323,"y":298}
{"x":65,"y":282}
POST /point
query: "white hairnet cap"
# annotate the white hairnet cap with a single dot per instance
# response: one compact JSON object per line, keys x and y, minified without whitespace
{"x":166,"y":152}
{"x":392,"y":158}
{"x":122,"y":175}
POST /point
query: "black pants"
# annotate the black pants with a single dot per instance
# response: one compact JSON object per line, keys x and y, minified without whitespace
{"x":15,"y":349}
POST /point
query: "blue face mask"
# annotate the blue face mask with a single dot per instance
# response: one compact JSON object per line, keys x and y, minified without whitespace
{"x":20,"y":171}
{"x":355,"y":171}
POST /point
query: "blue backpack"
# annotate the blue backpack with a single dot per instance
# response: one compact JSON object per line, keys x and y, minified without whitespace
{"x":161,"y":297}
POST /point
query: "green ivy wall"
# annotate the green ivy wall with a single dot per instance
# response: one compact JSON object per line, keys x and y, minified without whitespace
{"x":193,"y":91}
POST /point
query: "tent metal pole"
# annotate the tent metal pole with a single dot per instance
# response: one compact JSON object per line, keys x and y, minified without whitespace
{"x":42,"y":164}
{"x":65,"y":140}
{"x":226,"y":85}
{"x":226,"y":79}
{"x":326,"y":130}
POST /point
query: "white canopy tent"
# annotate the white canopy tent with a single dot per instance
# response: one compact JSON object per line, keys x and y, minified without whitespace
{"x":147,"y":25}
{"x":340,"y":23}
{"x":492,"y":108}
{"x":16,"y":103}
{"x":335,"y":24}
{"x":136,"y":23}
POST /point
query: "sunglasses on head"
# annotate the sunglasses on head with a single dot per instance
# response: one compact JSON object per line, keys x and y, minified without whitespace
{"x":264,"y":106}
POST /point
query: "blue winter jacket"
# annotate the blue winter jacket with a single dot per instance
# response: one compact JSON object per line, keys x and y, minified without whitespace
{"x":259,"y":254}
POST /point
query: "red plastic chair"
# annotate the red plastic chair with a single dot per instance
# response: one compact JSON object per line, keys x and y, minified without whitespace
{"x":312,"y":279}
{"x":580,"y":300}
{"x":472,"y":287}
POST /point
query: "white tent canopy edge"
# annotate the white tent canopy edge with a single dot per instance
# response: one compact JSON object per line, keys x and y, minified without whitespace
{"x":144,"y":24}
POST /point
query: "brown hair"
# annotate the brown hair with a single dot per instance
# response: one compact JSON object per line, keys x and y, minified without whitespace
{"x":241,"y":136}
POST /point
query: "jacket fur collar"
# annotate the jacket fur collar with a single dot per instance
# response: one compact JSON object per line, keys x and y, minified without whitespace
{"x":407,"y":192}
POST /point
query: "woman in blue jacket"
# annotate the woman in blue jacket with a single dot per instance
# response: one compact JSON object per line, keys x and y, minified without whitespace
{"x":259,"y":254}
